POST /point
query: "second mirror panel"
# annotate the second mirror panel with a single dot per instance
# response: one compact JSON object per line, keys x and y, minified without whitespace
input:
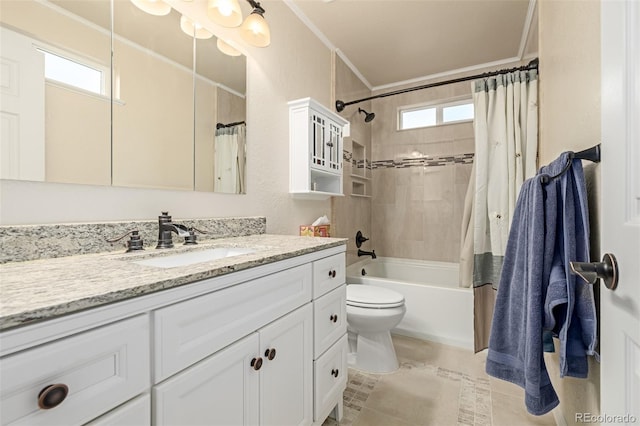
{"x":153,"y":100}
{"x":220,"y":130}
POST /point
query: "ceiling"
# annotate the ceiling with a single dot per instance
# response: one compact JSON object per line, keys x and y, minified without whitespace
{"x":391,"y":42}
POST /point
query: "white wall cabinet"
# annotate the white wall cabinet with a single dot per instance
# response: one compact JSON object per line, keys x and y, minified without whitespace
{"x":245,"y":354}
{"x":315,"y":150}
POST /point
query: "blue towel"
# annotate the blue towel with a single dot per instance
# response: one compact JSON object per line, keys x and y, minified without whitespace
{"x":537,"y":292}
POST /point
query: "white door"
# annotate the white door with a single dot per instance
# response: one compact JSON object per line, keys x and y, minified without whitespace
{"x":620,"y":219}
{"x":21,"y":108}
{"x":286,"y":388}
{"x":220,"y":390}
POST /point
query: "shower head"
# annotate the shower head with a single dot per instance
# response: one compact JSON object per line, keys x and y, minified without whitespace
{"x":368,"y":116}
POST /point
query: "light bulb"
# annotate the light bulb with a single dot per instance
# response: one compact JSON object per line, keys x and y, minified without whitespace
{"x":255,"y":30}
{"x":225,"y":12}
{"x":153,"y":7}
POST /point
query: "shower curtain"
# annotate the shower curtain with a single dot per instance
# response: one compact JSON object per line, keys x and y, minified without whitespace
{"x":506,"y":145}
{"x":229,"y":159}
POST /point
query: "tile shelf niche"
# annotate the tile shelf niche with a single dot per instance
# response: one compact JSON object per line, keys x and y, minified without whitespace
{"x":360,"y":174}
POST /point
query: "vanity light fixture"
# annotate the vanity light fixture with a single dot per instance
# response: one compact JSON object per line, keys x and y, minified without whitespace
{"x":225,"y":12}
{"x":255,"y":29}
{"x":194,"y":29}
{"x":153,"y":7}
{"x":227,"y":49}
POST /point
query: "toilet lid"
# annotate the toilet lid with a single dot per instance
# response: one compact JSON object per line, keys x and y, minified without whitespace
{"x":368,"y":296}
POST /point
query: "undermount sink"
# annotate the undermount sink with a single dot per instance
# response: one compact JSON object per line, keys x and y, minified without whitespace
{"x":193,"y":257}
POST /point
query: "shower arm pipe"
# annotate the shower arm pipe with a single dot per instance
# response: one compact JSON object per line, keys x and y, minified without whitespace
{"x":533,"y":65}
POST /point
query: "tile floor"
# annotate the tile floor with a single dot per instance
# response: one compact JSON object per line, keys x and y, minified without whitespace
{"x":436,"y":385}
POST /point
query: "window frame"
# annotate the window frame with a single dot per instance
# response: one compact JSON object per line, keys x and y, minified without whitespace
{"x":439,"y":106}
{"x":105,"y":71}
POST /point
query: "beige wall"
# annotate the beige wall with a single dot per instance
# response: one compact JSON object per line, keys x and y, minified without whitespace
{"x":206,"y":101}
{"x":296,"y":65}
{"x":77,"y":137}
{"x":353,"y":213}
{"x":569,"y":42}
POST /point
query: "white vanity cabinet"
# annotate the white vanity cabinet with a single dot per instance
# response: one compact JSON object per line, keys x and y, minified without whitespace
{"x":315,"y":150}
{"x":266,"y":378}
{"x":262,"y":346}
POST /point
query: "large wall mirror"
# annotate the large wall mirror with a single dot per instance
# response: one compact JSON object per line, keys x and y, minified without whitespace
{"x":158,"y":108}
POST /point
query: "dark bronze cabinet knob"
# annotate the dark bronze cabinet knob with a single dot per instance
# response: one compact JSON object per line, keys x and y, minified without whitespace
{"x":333,"y":318}
{"x":335,"y":372}
{"x":256,"y":363}
{"x":52,"y":396}
{"x":270,"y":354}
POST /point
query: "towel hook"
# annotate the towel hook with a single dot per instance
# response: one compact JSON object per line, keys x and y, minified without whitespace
{"x":607,"y":270}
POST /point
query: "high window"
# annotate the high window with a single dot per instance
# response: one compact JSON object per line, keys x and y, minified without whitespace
{"x":72,"y":72}
{"x":427,"y":115}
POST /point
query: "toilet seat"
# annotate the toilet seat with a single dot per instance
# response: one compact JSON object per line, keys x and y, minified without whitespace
{"x":368,"y":296}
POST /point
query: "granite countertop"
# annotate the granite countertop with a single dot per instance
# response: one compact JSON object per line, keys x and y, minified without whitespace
{"x":41,"y":289}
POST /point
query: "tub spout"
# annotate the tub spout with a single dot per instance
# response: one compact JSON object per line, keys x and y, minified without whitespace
{"x":371,"y":253}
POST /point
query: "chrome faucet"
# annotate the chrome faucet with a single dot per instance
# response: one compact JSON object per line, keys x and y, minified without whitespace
{"x":371,"y":253}
{"x":165,"y":228}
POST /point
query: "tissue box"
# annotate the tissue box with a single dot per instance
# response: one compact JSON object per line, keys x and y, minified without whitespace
{"x":314,"y":231}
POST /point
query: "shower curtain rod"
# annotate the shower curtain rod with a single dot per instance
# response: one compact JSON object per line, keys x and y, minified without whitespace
{"x":530,"y":66}
{"x":222,"y":125}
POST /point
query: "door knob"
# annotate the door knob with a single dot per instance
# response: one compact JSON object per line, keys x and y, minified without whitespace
{"x":607,"y":270}
{"x":270,"y":354}
{"x":256,"y":363}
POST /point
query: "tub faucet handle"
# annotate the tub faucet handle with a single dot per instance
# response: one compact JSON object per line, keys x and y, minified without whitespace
{"x":360,"y":239}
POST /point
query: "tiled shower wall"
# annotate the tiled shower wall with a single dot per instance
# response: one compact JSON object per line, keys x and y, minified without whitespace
{"x":350,"y":213}
{"x":420,"y":178}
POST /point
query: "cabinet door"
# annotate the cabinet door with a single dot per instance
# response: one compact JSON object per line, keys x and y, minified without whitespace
{"x":220,"y":390}
{"x":318,"y":139}
{"x":286,"y":387}
{"x":100,"y":368}
{"x":334,"y":151}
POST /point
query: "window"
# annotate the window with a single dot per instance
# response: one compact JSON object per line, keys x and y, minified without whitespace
{"x":73,"y":73}
{"x":413,"y":117}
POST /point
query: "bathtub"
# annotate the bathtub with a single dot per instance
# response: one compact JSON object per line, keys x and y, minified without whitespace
{"x":437,"y":308}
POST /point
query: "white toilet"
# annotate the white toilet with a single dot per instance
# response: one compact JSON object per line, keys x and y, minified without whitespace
{"x":371,"y":314}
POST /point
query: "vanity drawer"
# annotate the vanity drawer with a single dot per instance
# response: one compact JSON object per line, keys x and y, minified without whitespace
{"x":329,"y":319}
{"x":328,"y":273}
{"x":194,"y":329}
{"x":330,"y":377}
{"x":102,"y":368}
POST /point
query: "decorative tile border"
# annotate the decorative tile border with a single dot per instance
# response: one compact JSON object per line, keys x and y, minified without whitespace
{"x":29,"y":242}
{"x":426,"y":161}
